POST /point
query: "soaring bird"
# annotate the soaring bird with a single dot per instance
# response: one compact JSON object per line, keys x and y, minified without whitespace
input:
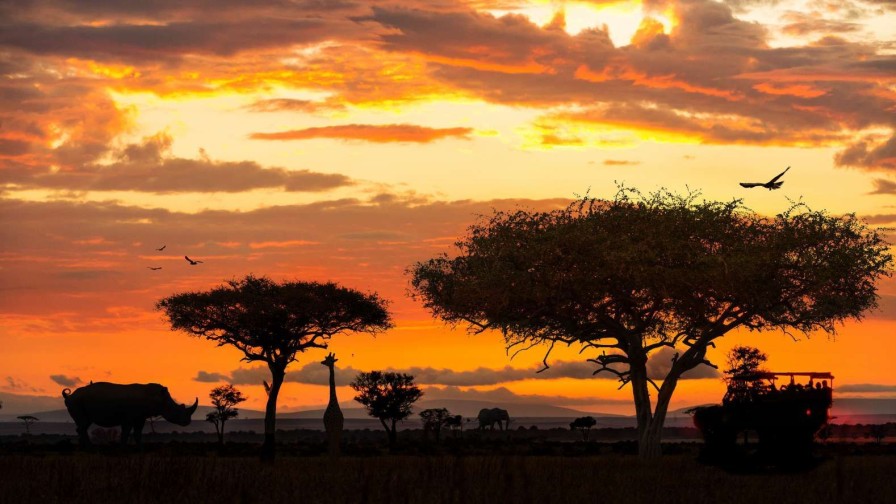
{"x":154,"y":268}
{"x":771,"y":184}
{"x":162,"y":248}
{"x":192,"y":262}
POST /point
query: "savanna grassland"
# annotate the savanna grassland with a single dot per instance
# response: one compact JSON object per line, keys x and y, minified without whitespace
{"x":178,"y":473}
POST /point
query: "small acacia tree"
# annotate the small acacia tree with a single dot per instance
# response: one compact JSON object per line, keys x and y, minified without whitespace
{"x":224,"y":398}
{"x":583,"y":425}
{"x":434,"y":419}
{"x":626,"y":277}
{"x":387,"y":396}
{"x":273,"y":322}
{"x":28,"y":419}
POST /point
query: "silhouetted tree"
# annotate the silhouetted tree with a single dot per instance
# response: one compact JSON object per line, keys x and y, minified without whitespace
{"x":434,"y":419}
{"x":744,"y":359}
{"x":387,"y":396}
{"x":877,"y":432}
{"x":224,"y":398}
{"x":28,"y":419}
{"x":273,"y":322}
{"x":626,"y":277}
{"x":583,"y":425}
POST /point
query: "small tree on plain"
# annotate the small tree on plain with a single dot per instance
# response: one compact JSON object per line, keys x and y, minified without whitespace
{"x":583,"y":425}
{"x":224,"y":398}
{"x":28,"y":419}
{"x":387,"y":396}
{"x":434,"y":419}
{"x":273,"y":323}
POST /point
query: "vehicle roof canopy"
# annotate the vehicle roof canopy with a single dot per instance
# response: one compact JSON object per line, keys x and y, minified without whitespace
{"x":774,"y":375}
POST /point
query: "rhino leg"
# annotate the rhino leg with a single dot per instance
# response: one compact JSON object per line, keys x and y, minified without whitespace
{"x":138,"y":431}
{"x":83,"y":438}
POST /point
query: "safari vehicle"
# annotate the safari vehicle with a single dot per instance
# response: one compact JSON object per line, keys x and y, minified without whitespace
{"x":785,"y":416}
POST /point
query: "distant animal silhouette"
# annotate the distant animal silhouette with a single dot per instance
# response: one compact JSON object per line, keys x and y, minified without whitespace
{"x":771,"y":184}
{"x":192,"y":262}
{"x":489,"y":417}
{"x":162,"y":248}
{"x":333,"y":419}
{"x":111,"y":404}
{"x":154,"y":268}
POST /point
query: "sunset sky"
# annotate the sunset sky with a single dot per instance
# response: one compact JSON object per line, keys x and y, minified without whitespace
{"x":344,"y":140}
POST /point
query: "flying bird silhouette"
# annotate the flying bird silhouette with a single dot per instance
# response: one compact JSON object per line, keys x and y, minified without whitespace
{"x":154,"y":268}
{"x":771,"y":184}
{"x":192,"y":262}
{"x":161,"y":249}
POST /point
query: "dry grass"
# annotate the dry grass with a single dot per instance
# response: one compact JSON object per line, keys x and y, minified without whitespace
{"x":153,"y":477}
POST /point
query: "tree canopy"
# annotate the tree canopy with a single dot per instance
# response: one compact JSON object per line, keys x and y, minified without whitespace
{"x":387,"y":396}
{"x":273,"y":322}
{"x":625,"y":277}
{"x":744,"y":359}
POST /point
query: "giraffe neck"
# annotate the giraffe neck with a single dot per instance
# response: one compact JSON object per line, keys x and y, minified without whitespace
{"x":333,"y":399}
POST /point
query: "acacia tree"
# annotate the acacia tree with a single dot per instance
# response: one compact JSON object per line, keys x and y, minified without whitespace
{"x":434,"y":419}
{"x":273,"y":322}
{"x":623,"y":278}
{"x":224,"y":398}
{"x":744,"y":359}
{"x":387,"y":396}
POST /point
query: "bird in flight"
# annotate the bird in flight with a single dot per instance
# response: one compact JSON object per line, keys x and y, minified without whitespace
{"x":192,"y":262}
{"x":771,"y":184}
{"x":162,"y":248}
{"x":154,"y":268}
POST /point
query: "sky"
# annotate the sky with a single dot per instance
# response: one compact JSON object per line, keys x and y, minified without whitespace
{"x":339,"y":140}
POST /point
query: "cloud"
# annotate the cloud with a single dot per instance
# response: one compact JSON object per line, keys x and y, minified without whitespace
{"x":17,"y":385}
{"x":869,"y":153}
{"x":883,"y":186}
{"x":386,"y":133}
{"x":66,"y":381}
{"x":210,"y":377}
{"x":660,"y":363}
{"x":620,"y":162}
{"x":866,"y":388}
{"x":149,"y":167}
{"x":293,"y":105}
{"x":315,"y":374}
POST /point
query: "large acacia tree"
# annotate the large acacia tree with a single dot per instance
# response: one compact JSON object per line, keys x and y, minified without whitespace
{"x":626,"y":277}
{"x":273,"y":322}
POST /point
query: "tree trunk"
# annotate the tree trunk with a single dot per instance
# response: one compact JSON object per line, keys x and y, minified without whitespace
{"x":651,"y":419}
{"x":220,"y":432}
{"x":270,"y":414}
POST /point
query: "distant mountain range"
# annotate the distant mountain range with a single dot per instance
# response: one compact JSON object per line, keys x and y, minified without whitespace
{"x":47,"y":409}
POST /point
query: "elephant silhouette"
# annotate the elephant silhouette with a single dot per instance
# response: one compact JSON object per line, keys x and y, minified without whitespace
{"x":489,"y":417}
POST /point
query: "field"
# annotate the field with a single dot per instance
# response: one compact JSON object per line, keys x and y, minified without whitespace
{"x":585,"y":472}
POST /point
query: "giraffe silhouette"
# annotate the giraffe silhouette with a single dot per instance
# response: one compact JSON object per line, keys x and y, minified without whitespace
{"x":333,"y":419}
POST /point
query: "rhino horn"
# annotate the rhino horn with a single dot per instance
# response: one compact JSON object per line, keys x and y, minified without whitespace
{"x":192,"y":409}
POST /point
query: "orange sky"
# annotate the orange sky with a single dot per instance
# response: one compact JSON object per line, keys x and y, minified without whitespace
{"x":345,"y":140}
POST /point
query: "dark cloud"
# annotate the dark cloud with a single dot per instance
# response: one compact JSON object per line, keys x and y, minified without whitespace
{"x":17,"y":385}
{"x":315,"y":374}
{"x":207,"y":377}
{"x":660,"y":363}
{"x":866,"y":388}
{"x":293,"y":105}
{"x":66,"y":381}
{"x":381,"y":133}
{"x":870,"y":154}
{"x":148,"y":167}
{"x":802,"y":24}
